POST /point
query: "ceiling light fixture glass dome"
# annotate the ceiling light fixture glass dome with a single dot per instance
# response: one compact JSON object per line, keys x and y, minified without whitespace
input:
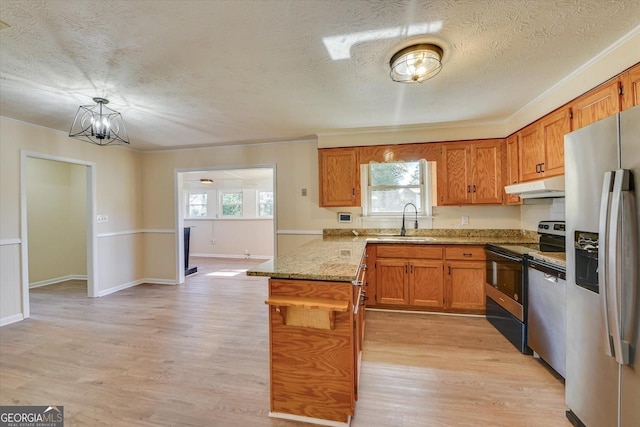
{"x":416,"y":63}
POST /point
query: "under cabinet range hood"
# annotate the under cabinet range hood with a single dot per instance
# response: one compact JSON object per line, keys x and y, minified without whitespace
{"x":543,"y":188}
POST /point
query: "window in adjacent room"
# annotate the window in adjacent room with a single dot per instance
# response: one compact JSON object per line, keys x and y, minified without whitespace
{"x":390,"y":186}
{"x":196,"y":205}
{"x":231,"y":203}
{"x":265,"y":204}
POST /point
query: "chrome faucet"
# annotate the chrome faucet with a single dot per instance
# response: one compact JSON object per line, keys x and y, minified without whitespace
{"x":403,"y":231}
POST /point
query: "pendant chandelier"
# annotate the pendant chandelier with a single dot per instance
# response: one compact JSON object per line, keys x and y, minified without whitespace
{"x":417,"y":63}
{"x":99,"y":124}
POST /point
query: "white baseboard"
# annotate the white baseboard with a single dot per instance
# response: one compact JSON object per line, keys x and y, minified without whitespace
{"x":311,"y":420}
{"x":57,"y":280}
{"x":232,"y":256}
{"x":123,"y":286}
{"x":11,"y":319}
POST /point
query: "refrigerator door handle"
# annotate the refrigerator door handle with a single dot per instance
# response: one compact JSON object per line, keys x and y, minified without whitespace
{"x":616,"y":255}
{"x":603,"y":267}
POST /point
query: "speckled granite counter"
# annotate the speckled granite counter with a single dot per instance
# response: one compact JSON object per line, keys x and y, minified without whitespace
{"x":557,"y":258}
{"x":337,"y":256}
{"x":334,"y":260}
{"x":471,"y":236}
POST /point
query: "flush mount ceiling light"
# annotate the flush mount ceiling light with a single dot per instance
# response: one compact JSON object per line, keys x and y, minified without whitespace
{"x":99,"y":124}
{"x":416,"y":63}
{"x":206,"y":180}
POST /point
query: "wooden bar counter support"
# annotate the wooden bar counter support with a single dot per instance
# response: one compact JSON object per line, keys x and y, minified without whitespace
{"x":308,"y":312}
{"x":311,"y":332}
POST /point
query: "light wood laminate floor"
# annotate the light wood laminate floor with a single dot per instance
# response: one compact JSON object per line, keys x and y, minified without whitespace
{"x":197,"y":355}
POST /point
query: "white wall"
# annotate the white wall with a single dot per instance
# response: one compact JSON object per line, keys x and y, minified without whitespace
{"x":56,"y":221}
{"x":231,"y":237}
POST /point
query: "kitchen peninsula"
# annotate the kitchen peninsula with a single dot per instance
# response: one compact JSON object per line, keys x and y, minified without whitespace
{"x":316,"y":308}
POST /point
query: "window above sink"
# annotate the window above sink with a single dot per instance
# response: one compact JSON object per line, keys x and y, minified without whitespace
{"x":387,"y":187}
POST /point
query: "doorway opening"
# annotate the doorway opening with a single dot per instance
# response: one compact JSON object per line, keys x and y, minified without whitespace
{"x":57,"y":231}
{"x":225,"y":213}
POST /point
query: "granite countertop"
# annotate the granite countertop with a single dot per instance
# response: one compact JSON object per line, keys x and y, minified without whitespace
{"x":334,"y":260}
{"x":557,"y":258}
{"x":337,"y":256}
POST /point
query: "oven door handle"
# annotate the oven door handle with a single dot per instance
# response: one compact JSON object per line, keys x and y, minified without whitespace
{"x":502,"y":255}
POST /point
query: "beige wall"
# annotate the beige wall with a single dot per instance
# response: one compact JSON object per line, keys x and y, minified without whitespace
{"x":296,"y":168}
{"x":56,"y":220}
{"x":119,"y":185}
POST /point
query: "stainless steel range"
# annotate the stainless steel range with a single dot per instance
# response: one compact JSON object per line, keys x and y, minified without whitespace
{"x":507,"y":282}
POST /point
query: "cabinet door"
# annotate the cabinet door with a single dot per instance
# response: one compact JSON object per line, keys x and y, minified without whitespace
{"x":601,"y":102}
{"x":456,"y":174}
{"x":631,"y":88}
{"x":426,"y":283}
{"x":466,"y":285}
{"x":339,"y":179}
{"x":392,"y":281}
{"x":531,"y":153}
{"x":553,"y":128}
{"x":486,"y":185}
{"x":513,"y":168}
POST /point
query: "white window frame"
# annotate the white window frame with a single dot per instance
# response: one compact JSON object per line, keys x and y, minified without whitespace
{"x":188,"y":205}
{"x":258,"y":203}
{"x":425,"y":191}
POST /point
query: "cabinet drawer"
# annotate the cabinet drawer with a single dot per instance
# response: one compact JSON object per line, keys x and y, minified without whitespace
{"x":410,"y":251}
{"x":463,"y":252}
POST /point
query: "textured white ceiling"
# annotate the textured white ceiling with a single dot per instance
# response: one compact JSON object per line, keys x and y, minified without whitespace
{"x":192,"y":73}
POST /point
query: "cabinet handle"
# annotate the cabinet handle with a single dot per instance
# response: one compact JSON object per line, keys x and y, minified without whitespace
{"x":353,"y":191}
{"x":467,"y":254}
{"x":468,"y":189}
{"x":538,"y":168}
{"x":449,"y":267}
{"x":406,"y":269}
{"x":542,"y":167}
{"x":474,"y":188}
{"x":411,"y":268}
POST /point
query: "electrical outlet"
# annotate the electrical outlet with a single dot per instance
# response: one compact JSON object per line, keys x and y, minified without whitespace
{"x":213,"y":242}
{"x":465,"y":220}
{"x":102,"y":218}
{"x":303,"y":192}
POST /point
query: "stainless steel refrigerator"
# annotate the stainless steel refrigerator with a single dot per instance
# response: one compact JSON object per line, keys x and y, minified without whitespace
{"x":602,"y":180}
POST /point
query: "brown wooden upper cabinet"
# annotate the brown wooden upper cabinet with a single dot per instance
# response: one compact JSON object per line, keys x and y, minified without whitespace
{"x":339,"y":177}
{"x":471,"y":172}
{"x":597,"y":104}
{"x":631,"y":87}
{"x":513,"y":168}
{"x":542,"y":146}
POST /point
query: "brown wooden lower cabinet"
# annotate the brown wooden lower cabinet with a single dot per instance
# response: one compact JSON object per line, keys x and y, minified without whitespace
{"x":465,"y":283}
{"x":428,"y":277}
{"x":315,"y":337}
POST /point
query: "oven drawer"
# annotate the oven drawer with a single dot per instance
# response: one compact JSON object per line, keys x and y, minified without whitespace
{"x":462,"y":252}
{"x":505,"y":302}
